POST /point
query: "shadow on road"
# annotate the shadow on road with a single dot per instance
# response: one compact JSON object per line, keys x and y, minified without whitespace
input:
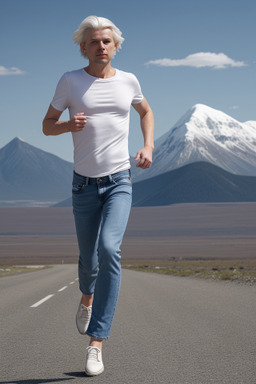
{"x":34,"y":381}
{"x":44,"y":381}
{"x":75,"y":374}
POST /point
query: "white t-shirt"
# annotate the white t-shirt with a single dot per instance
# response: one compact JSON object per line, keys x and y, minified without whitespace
{"x":101,"y":148}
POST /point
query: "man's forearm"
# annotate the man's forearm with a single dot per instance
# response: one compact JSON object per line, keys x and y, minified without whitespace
{"x":52,"y":127}
{"x":147,"y":127}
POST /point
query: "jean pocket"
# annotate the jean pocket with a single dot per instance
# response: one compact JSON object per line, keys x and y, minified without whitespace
{"x":77,"y":187}
{"x":121,"y":179}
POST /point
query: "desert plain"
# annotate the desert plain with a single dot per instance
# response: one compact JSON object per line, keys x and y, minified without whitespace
{"x":208,"y":231}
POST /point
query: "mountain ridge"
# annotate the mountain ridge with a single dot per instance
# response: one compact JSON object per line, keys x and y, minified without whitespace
{"x":199,"y":182}
{"x":206,"y":134}
{"x":201,"y":135}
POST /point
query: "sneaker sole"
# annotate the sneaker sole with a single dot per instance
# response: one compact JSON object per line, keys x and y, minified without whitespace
{"x":81,"y":333}
{"x":94,"y":374}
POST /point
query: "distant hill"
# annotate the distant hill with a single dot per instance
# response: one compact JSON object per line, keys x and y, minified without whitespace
{"x":194,"y":183}
{"x":206,"y":134}
{"x":28,"y":173}
{"x":199,"y":182}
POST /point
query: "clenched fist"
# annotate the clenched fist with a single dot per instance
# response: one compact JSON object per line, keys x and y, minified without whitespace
{"x":77,"y":123}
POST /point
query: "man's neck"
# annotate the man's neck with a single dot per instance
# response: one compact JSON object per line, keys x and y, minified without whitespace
{"x":100,"y":71}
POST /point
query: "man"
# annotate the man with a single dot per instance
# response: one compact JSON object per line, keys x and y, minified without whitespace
{"x":99,"y":98}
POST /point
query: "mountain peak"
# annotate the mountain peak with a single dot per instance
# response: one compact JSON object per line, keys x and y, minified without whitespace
{"x":203,"y":111}
{"x":19,"y":139}
{"x":192,"y":119}
{"x":206,"y":123}
{"x":29,"y":173}
{"x":206,"y":134}
{"x":200,"y":107}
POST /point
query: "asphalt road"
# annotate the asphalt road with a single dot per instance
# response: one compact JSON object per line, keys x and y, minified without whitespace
{"x":166,"y":330}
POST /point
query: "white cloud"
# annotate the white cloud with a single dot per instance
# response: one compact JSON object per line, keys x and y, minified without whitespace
{"x":10,"y":71}
{"x":200,"y":60}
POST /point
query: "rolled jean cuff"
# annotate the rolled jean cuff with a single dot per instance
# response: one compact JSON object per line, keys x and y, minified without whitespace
{"x":97,"y":337}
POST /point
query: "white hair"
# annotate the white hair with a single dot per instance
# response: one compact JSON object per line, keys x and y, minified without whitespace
{"x":95,"y":22}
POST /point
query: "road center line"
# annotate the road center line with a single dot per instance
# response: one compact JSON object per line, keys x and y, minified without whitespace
{"x":41,"y":301}
{"x":49,"y":296}
{"x":62,"y":289}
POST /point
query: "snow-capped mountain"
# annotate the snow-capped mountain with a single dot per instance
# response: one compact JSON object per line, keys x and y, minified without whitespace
{"x":206,"y":134}
{"x":251,"y":124}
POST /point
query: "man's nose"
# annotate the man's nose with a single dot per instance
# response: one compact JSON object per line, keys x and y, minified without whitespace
{"x":101,"y":45}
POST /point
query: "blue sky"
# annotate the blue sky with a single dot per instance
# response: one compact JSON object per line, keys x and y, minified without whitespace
{"x":208,"y":47}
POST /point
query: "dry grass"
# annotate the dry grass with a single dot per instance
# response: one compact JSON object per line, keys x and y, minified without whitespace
{"x":242,"y":271}
{"x":17,"y":269}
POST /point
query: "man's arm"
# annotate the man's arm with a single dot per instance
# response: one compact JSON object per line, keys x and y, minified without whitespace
{"x":147,"y":127}
{"x":52,"y":126}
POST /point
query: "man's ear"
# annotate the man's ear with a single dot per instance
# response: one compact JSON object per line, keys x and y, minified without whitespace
{"x":82,"y":47}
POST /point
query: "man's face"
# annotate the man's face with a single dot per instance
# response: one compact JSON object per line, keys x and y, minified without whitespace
{"x":100,"y":46}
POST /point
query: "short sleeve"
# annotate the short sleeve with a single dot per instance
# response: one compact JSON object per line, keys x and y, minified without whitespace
{"x":60,"y":99}
{"x":138,"y":96}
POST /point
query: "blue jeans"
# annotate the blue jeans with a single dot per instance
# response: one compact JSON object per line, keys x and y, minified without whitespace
{"x":101,"y":208}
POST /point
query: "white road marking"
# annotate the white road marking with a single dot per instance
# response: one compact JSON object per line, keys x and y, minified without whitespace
{"x":41,"y":301}
{"x":49,"y":296}
{"x":62,"y":289}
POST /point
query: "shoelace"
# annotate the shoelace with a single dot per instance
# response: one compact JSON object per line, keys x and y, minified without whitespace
{"x":93,"y":353}
{"x":85,"y":312}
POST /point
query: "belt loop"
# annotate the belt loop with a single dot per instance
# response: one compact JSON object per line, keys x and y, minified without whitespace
{"x":110,"y":178}
{"x":87,"y":181}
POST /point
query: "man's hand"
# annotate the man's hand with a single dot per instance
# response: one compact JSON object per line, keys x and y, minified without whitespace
{"x":53,"y":127}
{"x":77,"y":123}
{"x":147,"y":127}
{"x":145,"y":157}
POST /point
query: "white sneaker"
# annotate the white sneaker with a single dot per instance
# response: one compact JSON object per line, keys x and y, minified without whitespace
{"x":94,"y":364}
{"x":83,"y":318}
